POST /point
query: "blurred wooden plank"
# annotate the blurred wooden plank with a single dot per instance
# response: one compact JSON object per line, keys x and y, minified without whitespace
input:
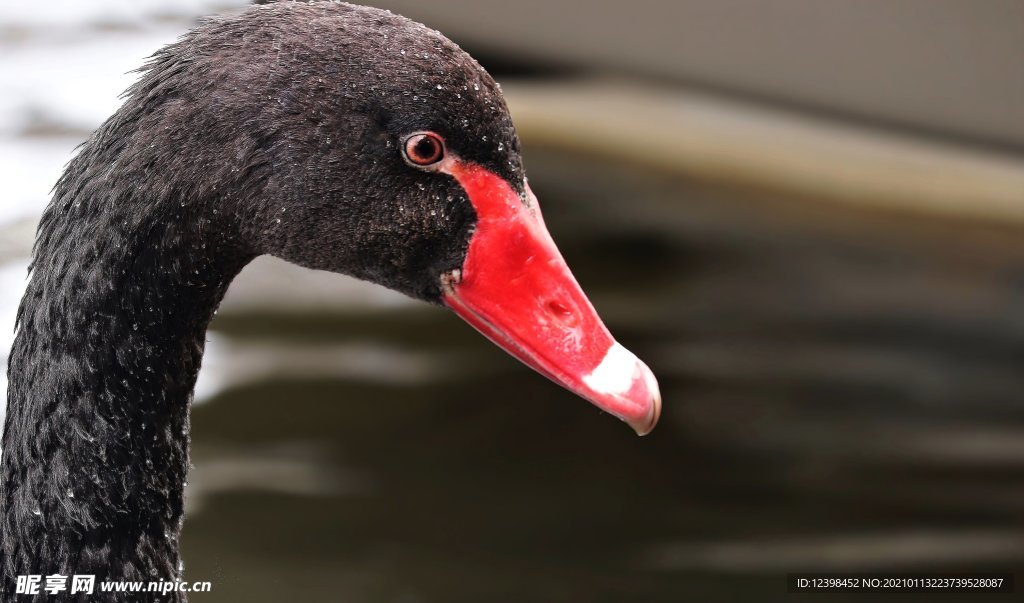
{"x":726,"y":140}
{"x":944,"y":66}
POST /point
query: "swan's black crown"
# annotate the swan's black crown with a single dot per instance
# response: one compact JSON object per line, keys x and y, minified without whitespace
{"x":290,"y":117}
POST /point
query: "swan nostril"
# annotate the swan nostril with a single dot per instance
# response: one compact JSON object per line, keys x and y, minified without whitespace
{"x":558,"y":308}
{"x":561,"y":312}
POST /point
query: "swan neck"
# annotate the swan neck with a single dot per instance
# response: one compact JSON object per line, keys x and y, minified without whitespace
{"x":110,"y":338}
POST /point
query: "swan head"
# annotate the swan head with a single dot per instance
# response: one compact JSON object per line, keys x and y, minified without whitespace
{"x":353,"y":140}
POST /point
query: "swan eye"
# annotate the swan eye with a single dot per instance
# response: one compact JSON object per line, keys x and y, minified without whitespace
{"x":423,"y":149}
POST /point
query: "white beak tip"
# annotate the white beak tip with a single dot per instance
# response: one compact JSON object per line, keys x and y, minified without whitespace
{"x":646,"y":425}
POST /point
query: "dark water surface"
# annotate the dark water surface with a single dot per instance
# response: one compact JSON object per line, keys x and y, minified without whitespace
{"x":843,"y":392}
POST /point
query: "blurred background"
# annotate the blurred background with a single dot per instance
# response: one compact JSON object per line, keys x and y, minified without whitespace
{"x":806,"y":216}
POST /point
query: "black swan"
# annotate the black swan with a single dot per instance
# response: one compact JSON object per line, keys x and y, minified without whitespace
{"x":337,"y":137}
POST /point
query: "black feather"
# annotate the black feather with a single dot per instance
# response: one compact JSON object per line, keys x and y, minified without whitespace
{"x":276,"y":131}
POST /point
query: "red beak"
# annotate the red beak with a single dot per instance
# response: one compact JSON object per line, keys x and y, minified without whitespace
{"x":515,"y":288}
